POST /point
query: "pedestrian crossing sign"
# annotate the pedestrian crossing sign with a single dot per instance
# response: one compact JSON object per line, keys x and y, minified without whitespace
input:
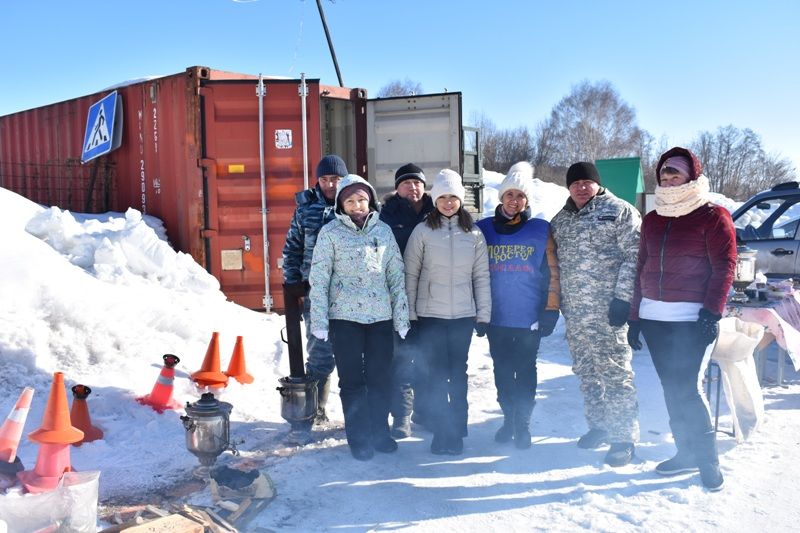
{"x":103,"y":127}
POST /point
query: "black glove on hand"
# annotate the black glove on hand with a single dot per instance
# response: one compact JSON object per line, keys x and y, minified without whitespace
{"x":709,"y":325}
{"x":547,"y":322}
{"x":480,"y":328}
{"x":298,"y":289}
{"x":634,"y":329}
{"x":618,"y":311}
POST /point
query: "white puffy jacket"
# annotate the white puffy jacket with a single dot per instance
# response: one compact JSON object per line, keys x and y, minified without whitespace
{"x":447,"y":272}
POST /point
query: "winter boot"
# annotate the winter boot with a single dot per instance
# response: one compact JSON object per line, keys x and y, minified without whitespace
{"x":455,"y":445}
{"x":594,"y":438}
{"x":619,"y":454}
{"x":384,"y":444}
{"x":439,"y":443}
{"x":522,"y":424}
{"x":362,"y":453}
{"x":323,"y":389}
{"x":401,"y":427}
{"x":711,"y":476}
{"x":683,"y":461}
{"x":708,"y":461}
{"x":506,"y":431}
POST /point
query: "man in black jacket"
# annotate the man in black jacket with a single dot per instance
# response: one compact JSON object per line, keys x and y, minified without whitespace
{"x":402,"y":211}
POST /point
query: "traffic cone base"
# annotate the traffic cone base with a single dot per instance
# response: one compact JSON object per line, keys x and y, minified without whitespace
{"x":11,"y":432}
{"x":56,"y":426}
{"x":209,"y":374}
{"x":237,"y":368}
{"x":158,"y":404}
{"x":79,"y":415}
{"x":51,"y":463}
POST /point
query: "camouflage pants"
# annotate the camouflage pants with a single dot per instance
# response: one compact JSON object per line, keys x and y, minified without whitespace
{"x":601,"y":357}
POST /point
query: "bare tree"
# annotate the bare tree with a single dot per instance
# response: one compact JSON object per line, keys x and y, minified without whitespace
{"x":736,"y":164}
{"x":406,"y":87}
{"x":502,"y":148}
{"x":592,"y":122}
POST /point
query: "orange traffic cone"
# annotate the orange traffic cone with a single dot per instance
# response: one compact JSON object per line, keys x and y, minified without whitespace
{"x":80,"y":415}
{"x":11,"y":432}
{"x":209,"y":374}
{"x":54,"y":436}
{"x":237,"y":368}
{"x":160,"y":398}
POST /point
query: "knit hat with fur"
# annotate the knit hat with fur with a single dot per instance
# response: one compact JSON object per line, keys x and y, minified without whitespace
{"x":447,"y":182}
{"x":519,"y":177}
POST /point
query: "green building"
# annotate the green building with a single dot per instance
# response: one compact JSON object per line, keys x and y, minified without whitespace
{"x":623,"y":177}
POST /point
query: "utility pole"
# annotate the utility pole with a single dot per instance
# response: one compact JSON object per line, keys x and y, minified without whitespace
{"x":330,"y":43}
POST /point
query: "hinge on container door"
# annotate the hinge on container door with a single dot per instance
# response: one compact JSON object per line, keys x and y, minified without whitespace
{"x":208,"y":233}
{"x":206,"y":163}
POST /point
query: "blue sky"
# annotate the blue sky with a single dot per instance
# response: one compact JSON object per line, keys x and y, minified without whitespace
{"x":684,"y":66}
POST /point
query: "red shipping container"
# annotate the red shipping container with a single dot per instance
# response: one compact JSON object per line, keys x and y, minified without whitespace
{"x":190,"y":156}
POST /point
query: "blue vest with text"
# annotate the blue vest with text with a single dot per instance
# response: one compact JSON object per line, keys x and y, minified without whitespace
{"x":515,"y":263}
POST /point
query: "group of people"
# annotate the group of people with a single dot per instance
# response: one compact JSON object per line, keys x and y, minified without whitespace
{"x":393,"y":296}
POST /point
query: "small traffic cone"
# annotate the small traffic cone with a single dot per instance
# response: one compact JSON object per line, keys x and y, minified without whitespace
{"x":11,"y":432}
{"x":160,"y":398}
{"x":80,"y":415}
{"x":237,"y":368}
{"x":54,"y":436}
{"x":209,"y":374}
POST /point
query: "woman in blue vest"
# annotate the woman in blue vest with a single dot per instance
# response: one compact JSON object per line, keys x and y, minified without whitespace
{"x":525,"y":299}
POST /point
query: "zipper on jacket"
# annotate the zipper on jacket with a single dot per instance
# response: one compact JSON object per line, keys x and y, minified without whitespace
{"x":661,"y":260}
{"x":452,"y":263}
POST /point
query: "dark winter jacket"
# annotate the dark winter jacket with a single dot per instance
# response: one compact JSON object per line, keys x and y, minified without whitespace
{"x":690,"y":258}
{"x":313,"y":211}
{"x":523,"y":283}
{"x":398,"y":213}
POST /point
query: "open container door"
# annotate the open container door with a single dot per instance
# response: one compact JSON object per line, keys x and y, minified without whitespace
{"x":425,"y":130}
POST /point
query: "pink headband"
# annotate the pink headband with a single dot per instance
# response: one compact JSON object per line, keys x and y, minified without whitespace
{"x":679,"y":163}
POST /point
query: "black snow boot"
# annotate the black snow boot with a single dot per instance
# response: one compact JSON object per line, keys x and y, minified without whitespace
{"x":708,"y":461}
{"x":401,"y":427}
{"x":522,"y":423}
{"x":594,"y":438}
{"x":506,"y":431}
{"x":619,"y":454}
{"x":323,"y":389}
{"x":683,"y":461}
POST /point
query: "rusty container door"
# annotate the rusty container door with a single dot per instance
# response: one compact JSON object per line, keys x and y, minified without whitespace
{"x":233,"y":229}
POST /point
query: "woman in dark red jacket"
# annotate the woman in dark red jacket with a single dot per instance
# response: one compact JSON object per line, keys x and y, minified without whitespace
{"x":687,"y":258}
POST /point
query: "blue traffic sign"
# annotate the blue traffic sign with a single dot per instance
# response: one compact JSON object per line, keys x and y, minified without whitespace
{"x":103,"y":127}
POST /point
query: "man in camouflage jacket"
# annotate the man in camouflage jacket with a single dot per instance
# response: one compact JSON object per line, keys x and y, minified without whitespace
{"x":597,"y":239}
{"x":315,"y":208}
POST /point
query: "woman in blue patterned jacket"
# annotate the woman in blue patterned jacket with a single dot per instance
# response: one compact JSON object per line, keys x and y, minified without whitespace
{"x":357,"y":298}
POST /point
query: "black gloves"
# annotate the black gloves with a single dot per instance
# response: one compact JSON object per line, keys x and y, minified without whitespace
{"x":634,"y":329}
{"x":298,"y":289}
{"x":618,"y":311}
{"x":709,"y":325}
{"x":480,"y":328}
{"x":547,"y":322}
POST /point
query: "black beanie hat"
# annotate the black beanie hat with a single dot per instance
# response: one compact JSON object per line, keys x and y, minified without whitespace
{"x":583,"y":171}
{"x":331,"y":165}
{"x":409,"y":171}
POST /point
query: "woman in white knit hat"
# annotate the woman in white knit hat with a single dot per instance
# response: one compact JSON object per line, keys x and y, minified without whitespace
{"x":447,"y":281}
{"x":525,"y":299}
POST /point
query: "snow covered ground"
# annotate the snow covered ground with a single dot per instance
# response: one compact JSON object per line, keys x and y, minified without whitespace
{"x":102,"y":298}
